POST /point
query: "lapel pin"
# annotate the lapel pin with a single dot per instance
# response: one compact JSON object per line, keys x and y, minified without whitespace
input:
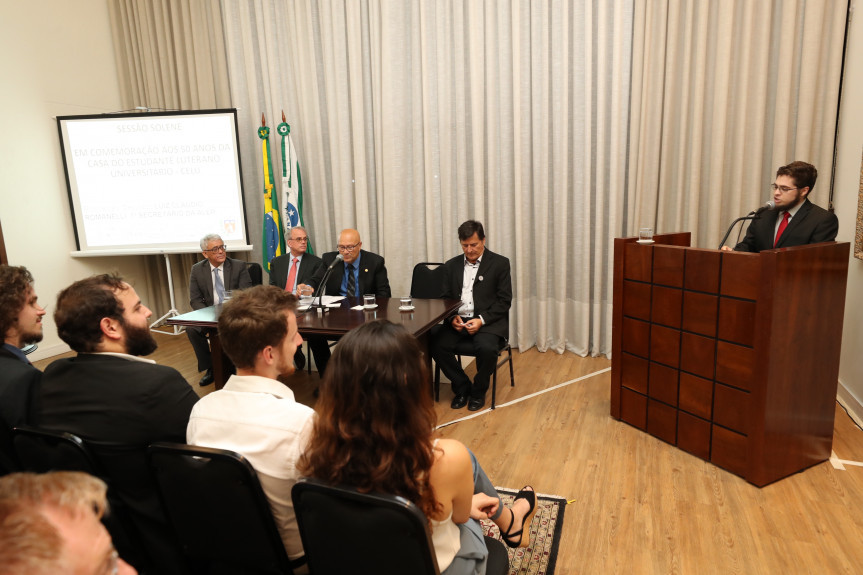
{"x":366,"y":270}
{"x":479,"y":278}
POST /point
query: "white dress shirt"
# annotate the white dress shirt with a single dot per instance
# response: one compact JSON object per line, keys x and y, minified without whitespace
{"x":467,"y":306}
{"x":259,"y":418}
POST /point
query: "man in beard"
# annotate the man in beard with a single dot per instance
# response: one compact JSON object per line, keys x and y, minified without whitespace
{"x":109,"y":393}
{"x":21,"y":325}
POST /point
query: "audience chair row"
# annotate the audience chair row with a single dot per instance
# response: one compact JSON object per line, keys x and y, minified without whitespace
{"x":222,"y":520}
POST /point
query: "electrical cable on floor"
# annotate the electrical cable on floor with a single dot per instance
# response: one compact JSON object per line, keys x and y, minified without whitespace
{"x":528,"y":396}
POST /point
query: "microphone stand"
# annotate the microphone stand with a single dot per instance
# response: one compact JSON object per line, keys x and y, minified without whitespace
{"x":750,"y":216}
{"x":319,"y":292}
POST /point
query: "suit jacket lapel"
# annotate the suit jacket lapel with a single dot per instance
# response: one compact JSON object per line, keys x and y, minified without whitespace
{"x":207,"y":272}
{"x":796,"y":221}
{"x":458,"y":278}
{"x":484,"y":264}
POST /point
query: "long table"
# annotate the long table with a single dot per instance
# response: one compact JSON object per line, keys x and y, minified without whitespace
{"x":333,"y":324}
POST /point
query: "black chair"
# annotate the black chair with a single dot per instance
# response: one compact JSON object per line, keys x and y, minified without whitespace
{"x":256,"y":272}
{"x":504,"y":347}
{"x":427,"y":280}
{"x":43,"y":450}
{"x":345,"y":531}
{"x":219,"y":510}
{"x":8,"y":461}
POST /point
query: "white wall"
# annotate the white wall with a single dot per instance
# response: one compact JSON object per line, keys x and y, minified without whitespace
{"x":845,"y":197}
{"x":56,"y":59}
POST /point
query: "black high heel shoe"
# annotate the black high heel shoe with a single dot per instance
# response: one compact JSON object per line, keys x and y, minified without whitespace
{"x":530,"y":497}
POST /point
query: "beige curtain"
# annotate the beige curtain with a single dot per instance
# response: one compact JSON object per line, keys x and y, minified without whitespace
{"x":411,"y":117}
{"x":559,"y":124}
{"x":723,"y":93}
{"x":170,"y":56}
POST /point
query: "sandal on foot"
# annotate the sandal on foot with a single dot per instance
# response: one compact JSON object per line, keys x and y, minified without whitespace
{"x":530,"y":496}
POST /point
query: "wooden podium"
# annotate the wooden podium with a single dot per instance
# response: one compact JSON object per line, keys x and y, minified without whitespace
{"x":732,"y":357}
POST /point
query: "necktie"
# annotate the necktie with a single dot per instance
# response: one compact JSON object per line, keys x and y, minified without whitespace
{"x":220,"y":287}
{"x":352,"y":280}
{"x":292,"y":275}
{"x":782,"y":225}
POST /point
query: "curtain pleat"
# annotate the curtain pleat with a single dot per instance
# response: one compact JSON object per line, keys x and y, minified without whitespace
{"x":559,"y":124}
{"x":170,"y":56}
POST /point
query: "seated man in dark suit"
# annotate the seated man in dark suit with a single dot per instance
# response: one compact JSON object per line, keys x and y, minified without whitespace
{"x":208,"y":282}
{"x":481,"y":279}
{"x":109,"y":393}
{"x":794,"y":221}
{"x":366,"y":274}
{"x":21,"y":325}
{"x":294,"y":270}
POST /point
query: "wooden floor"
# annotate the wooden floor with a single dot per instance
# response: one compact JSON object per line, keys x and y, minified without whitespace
{"x":640,"y":505}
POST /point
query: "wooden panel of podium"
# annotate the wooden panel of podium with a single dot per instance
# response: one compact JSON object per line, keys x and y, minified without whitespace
{"x":732,"y":357}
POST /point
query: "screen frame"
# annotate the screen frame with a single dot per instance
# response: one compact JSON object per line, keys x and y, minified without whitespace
{"x":148,"y":250}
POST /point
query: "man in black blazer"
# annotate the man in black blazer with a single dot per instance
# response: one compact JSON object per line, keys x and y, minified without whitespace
{"x":282,"y":276}
{"x":110,"y":393}
{"x":481,"y":279}
{"x":369,"y":269}
{"x":367,"y":274}
{"x":204,"y":288}
{"x":21,"y":325}
{"x":794,"y":221}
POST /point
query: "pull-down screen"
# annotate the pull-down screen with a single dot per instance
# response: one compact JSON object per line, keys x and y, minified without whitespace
{"x":153,"y":182}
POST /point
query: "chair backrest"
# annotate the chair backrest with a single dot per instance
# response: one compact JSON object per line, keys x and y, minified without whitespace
{"x":8,"y":461}
{"x":43,"y":450}
{"x":345,"y":531}
{"x":256,"y":272}
{"x":427,"y":280}
{"x":218,"y":509}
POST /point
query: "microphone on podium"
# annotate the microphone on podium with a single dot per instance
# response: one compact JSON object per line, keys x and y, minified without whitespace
{"x":753,"y":215}
{"x":769,"y":205}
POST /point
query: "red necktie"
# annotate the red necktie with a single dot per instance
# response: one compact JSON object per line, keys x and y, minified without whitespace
{"x":782,"y":225}
{"x":292,"y":276}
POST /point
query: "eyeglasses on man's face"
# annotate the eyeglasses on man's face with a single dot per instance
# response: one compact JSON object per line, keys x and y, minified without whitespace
{"x":216,"y":249}
{"x":783,"y":189}
{"x":348,"y":248}
{"x":302,"y":240}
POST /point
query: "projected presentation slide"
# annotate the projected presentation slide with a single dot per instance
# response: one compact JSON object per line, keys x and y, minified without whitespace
{"x":153,"y":183}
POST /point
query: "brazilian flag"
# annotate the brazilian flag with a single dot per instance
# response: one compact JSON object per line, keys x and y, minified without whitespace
{"x":273,"y":240}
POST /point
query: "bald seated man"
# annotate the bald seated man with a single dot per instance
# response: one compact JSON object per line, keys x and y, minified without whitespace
{"x":360,"y":273}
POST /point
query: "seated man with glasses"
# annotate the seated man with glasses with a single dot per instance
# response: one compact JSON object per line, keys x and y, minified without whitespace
{"x":294,"y":270}
{"x":794,"y":221}
{"x":208,"y":282}
{"x":360,"y":273}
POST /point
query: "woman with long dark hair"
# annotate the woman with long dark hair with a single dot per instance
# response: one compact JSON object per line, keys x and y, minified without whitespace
{"x":374,"y":431}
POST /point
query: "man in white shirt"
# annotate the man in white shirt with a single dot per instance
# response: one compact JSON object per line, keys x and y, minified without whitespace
{"x":255,"y":414}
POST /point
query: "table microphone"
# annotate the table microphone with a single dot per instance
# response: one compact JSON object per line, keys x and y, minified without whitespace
{"x":321,"y":287}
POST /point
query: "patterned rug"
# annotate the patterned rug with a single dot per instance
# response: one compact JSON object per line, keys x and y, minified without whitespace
{"x":545,"y":529}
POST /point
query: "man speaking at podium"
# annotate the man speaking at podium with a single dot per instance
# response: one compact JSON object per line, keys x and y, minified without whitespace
{"x":794,"y":221}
